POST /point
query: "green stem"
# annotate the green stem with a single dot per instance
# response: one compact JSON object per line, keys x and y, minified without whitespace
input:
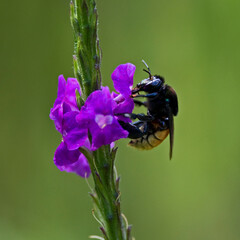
{"x":86,"y":64}
{"x":106,"y":196}
{"x":87,"y":57}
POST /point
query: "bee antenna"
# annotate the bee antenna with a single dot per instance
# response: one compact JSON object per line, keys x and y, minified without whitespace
{"x":147,"y":71}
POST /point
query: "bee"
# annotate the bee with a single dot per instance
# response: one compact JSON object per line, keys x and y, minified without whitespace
{"x":162,"y":105}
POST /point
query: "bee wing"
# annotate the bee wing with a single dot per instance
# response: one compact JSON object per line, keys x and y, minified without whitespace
{"x":171,"y":94}
{"x":171,"y":130}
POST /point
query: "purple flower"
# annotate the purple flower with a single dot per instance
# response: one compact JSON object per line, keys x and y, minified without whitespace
{"x":99,"y":116}
{"x":65,"y":102}
{"x":101,"y":122}
{"x":71,"y":161}
{"x":122,"y":78}
{"x":67,"y":156}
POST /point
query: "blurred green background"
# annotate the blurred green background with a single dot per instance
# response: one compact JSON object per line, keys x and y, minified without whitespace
{"x":195,"y":45}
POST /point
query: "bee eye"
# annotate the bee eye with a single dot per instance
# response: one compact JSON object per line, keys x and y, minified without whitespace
{"x":167,"y":100}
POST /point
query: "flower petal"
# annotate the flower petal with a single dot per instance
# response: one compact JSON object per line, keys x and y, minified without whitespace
{"x":56,"y":114}
{"x":61,"y":89}
{"x":69,"y":122}
{"x":123,"y":106}
{"x":81,"y":167}
{"x":71,"y":161}
{"x":99,"y":101}
{"x":103,"y":120}
{"x":76,"y":138}
{"x":65,"y":157}
{"x":122,"y":78}
{"x":106,"y":135}
{"x":70,"y":94}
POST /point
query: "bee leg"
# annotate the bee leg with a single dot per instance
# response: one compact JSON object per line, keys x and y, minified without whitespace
{"x":140,"y":116}
{"x":133,"y":129}
{"x":149,"y":95}
{"x":144,"y":124}
{"x":138,"y":123}
{"x":139,"y":103}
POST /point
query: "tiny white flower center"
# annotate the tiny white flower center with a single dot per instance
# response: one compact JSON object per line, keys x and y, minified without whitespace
{"x":102,"y":120}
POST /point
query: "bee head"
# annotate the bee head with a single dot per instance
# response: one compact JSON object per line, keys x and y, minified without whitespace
{"x":151,"y":84}
{"x":159,"y":77}
{"x":151,"y":77}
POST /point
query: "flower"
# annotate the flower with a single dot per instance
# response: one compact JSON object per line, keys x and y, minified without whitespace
{"x":101,"y":121}
{"x":67,"y":156}
{"x":65,"y":102}
{"x":122,"y":78}
{"x":99,"y":116}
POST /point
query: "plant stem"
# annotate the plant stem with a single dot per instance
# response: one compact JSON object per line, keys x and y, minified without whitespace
{"x":86,"y":63}
{"x":87,"y":57}
{"x":107,"y":193}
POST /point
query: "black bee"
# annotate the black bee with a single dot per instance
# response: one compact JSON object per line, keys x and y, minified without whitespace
{"x":162,"y":104}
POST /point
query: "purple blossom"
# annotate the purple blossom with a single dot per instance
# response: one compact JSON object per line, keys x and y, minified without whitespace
{"x":102,"y":124}
{"x":99,"y":116}
{"x":67,"y":156}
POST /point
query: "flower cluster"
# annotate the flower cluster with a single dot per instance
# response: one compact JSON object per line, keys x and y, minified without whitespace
{"x":99,"y":116}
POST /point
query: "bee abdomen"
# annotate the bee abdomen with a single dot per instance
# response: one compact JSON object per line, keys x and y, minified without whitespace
{"x":149,"y":141}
